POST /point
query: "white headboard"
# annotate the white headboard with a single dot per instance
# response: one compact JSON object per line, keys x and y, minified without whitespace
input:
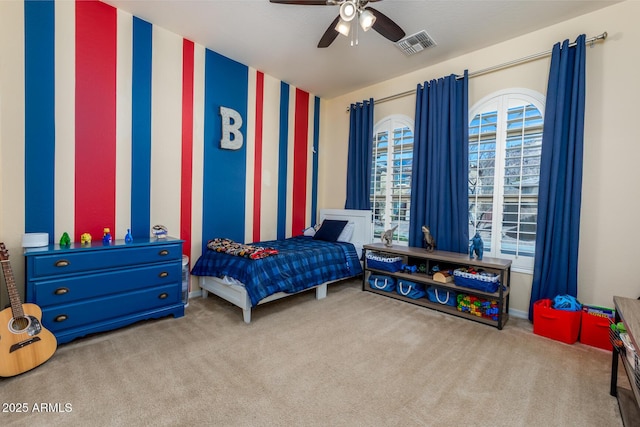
{"x":363,"y":232}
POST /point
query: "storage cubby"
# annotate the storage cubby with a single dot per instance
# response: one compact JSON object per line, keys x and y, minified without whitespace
{"x":425,"y":261}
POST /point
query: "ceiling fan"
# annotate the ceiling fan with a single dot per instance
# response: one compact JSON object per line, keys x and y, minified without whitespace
{"x":352,"y":13}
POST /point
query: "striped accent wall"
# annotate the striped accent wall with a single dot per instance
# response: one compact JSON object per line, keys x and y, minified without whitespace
{"x":123,"y":128}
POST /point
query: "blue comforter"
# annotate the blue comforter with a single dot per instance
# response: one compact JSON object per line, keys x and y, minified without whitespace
{"x":301,"y":263}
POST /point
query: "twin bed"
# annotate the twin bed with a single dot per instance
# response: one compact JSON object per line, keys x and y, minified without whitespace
{"x":301,"y":263}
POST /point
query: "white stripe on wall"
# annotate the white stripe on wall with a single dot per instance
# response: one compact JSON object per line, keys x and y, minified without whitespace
{"x":249,"y":140}
{"x":290,"y":162}
{"x":65,"y":83}
{"x":12,"y":134}
{"x":270,"y":139}
{"x":166,"y":129}
{"x":124,"y":86}
{"x":310,"y":155}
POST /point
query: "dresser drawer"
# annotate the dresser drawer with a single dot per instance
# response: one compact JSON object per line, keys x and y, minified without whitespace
{"x":63,"y":263}
{"x":61,"y":317}
{"x":64,"y":290}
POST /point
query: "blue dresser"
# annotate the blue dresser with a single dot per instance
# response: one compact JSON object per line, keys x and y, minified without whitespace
{"x":85,"y":289}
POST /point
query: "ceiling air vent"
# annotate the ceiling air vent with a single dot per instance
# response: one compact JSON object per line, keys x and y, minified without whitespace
{"x":415,"y":43}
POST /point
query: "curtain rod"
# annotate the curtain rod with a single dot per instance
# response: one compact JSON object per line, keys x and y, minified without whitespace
{"x":519,"y":61}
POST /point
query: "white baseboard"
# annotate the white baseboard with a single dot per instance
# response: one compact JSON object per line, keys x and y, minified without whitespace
{"x":194,"y":294}
{"x":519,"y":313}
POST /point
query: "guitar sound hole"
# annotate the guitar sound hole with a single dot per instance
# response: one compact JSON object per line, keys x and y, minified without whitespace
{"x":19,"y":324}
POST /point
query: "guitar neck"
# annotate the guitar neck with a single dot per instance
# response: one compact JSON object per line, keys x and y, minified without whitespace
{"x":14,"y":297}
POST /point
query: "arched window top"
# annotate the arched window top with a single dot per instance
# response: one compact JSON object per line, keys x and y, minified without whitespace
{"x":398,"y":119}
{"x":512,"y":96}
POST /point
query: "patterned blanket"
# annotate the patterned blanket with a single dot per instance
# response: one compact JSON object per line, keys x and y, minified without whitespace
{"x":230,"y":247}
{"x":301,"y":263}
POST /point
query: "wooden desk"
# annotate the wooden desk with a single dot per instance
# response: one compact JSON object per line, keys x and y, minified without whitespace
{"x":627,"y":311}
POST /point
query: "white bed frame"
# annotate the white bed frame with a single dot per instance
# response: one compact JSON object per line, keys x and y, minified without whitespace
{"x":236,"y":293}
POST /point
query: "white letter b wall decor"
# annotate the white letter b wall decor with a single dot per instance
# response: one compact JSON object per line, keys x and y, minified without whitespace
{"x":232,"y":138}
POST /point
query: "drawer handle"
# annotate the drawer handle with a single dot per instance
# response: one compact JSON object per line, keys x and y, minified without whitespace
{"x":61,"y":318}
{"x":62,"y":263}
{"x":163,"y":274}
{"x":163,"y":252}
{"x":61,"y":291}
{"x":163,"y":295}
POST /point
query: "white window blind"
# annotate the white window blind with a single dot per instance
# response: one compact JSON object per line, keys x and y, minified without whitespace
{"x":391,"y":176}
{"x":505,"y":140}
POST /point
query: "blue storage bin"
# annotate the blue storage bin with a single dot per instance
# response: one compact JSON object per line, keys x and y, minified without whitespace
{"x":382,"y":283}
{"x":487,"y":282}
{"x":384,"y":262}
{"x":442,"y":296}
{"x":410,"y":289}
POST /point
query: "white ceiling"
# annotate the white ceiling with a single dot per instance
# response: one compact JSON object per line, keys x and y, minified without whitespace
{"x":281,"y":40}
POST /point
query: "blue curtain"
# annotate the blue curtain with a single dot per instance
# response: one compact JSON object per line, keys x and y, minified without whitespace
{"x":439,"y":184}
{"x":359,"y":156}
{"x":557,"y":234}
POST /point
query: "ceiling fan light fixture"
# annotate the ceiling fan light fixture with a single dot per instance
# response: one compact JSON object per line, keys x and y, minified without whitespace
{"x":343,"y":27}
{"x":348,"y":10}
{"x":367,"y":19}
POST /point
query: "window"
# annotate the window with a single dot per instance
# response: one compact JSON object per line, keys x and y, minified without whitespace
{"x":391,"y":176}
{"x":505,"y":143}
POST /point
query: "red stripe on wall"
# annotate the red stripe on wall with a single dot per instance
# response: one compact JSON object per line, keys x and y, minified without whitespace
{"x":187,"y":145}
{"x":257,"y":176}
{"x":95,"y":119}
{"x":300,"y":143}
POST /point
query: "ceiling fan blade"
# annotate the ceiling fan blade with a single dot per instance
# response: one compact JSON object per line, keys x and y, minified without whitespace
{"x":302,"y":2}
{"x":386,"y":27}
{"x":330,"y":35}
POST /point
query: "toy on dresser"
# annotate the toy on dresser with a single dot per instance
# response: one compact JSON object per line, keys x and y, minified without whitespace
{"x":159,"y":231}
{"x":85,"y":239}
{"x":106,"y":237}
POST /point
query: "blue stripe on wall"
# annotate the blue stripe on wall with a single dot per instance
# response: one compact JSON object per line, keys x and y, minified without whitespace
{"x":314,"y":182}
{"x":141,"y":128}
{"x":225,"y":171}
{"x":39,"y":52}
{"x":282,"y":160}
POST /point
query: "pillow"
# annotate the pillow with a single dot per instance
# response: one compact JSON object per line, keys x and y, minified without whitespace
{"x":309,"y":231}
{"x":347,"y":232}
{"x":330,"y":230}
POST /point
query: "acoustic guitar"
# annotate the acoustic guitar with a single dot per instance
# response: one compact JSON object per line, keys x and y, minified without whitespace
{"x":24,"y":342}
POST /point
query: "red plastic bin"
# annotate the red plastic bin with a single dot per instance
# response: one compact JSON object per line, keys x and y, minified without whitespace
{"x":596,"y":325}
{"x":559,"y":325}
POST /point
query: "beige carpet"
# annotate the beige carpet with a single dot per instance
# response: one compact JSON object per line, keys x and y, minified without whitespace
{"x":352,"y":359}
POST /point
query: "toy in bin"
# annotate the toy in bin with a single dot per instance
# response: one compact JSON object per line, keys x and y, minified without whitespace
{"x":478,"y":306}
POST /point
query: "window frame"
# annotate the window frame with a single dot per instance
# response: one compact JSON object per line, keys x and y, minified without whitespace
{"x":523,"y":264}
